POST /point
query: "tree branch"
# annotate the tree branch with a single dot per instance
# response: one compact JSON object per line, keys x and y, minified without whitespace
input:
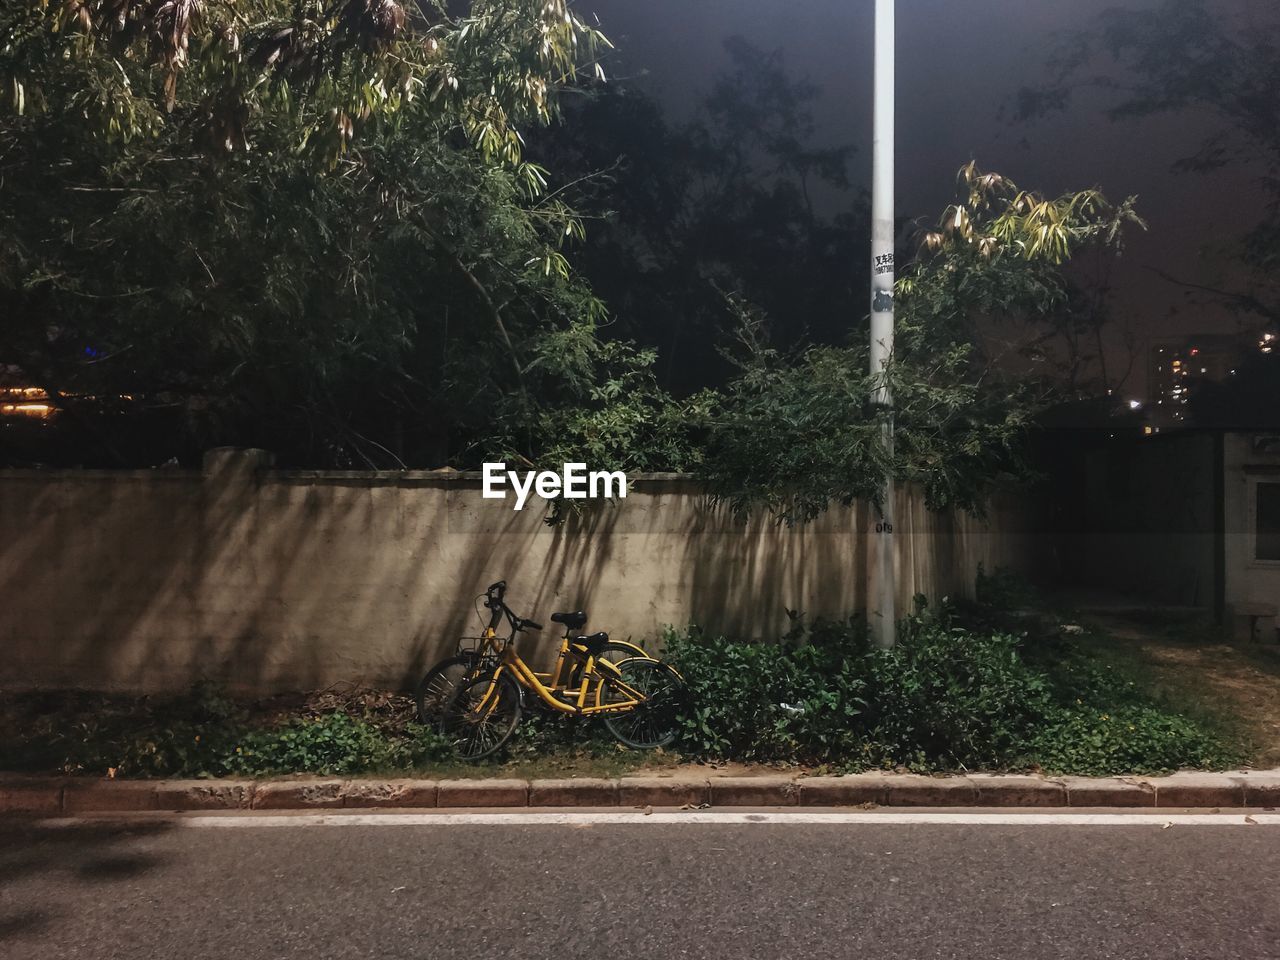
{"x":1245,"y":300}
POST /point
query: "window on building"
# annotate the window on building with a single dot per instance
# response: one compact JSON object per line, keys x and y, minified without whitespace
{"x":1267,"y":522}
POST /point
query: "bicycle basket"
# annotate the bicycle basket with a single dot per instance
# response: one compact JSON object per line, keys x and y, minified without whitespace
{"x":469,"y":647}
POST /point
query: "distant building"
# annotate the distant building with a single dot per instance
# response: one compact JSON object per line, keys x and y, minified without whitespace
{"x":1174,"y":367}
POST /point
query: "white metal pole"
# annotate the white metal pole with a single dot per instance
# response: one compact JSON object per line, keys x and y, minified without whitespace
{"x":881,"y":615}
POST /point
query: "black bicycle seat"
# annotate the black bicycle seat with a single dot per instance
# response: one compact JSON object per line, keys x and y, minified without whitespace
{"x":593,"y":644}
{"x":574,"y":621}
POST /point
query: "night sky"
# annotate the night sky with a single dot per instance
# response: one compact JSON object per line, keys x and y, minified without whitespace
{"x":959,"y":65}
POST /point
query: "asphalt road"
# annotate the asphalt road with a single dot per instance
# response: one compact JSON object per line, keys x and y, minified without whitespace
{"x":749,"y":891}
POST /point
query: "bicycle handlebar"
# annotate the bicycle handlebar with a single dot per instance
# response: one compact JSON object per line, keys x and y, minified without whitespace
{"x":493,"y":599}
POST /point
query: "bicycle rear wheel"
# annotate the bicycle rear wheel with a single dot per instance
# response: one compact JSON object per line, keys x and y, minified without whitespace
{"x":653,"y":722}
{"x":481,"y":716}
{"x":438,"y":684}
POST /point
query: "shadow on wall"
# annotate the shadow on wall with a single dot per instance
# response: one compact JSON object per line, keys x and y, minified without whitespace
{"x":940,"y":552}
{"x":95,"y":571}
{"x":149,"y":581}
{"x":745,"y":574}
{"x":267,"y":582}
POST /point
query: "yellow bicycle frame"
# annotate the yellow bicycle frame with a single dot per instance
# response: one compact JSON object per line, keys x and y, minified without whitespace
{"x":556,"y":679}
{"x":546,"y":686}
{"x":521,"y":673}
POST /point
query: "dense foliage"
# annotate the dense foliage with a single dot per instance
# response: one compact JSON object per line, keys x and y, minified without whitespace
{"x":956,"y":693}
{"x":947,"y":697}
{"x":301,"y":226}
{"x":314,"y":228}
{"x":798,"y":433}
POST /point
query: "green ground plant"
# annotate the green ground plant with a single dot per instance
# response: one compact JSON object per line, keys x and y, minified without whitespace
{"x":947,"y":697}
{"x":208,"y":735}
{"x":954,"y":694}
{"x":1002,"y":590}
{"x":335,"y":743}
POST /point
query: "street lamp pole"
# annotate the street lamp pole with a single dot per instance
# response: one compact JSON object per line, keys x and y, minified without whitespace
{"x":881,"y":587}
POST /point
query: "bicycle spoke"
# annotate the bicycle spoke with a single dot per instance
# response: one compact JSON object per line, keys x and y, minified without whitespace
{"x":650,"y":722}
{"x":483,"y":715}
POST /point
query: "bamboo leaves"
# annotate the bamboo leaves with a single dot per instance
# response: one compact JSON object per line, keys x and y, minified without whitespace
{"x":500,"y":66}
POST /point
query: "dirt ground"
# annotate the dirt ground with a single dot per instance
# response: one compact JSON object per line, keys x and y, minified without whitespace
{"x":1192,"y":661}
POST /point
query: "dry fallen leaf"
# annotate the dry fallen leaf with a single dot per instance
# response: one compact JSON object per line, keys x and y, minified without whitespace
{"x":648,"y":810}
{"x":1167,"y":825}
{"x":1249,"y":819}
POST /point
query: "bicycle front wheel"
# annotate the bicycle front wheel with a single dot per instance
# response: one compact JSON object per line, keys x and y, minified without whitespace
{"x":481,"y":716}
{"x":654,"y":721}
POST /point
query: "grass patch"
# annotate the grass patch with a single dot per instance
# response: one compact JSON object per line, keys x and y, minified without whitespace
{"x":963,"y":690}
{"x":331,"y":733}
{"x":206,"y":734}
{"x":1231,"y":688}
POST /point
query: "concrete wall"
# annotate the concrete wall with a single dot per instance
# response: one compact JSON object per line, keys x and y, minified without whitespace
{"x":270,"y":581}
{"x":1141,"y":520}
{"x":1248,"y":459}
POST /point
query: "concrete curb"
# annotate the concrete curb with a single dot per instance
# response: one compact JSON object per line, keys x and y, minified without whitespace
{"x":32,"y":796}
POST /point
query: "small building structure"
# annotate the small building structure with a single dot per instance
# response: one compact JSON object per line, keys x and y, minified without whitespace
{"x":1185,"y":518}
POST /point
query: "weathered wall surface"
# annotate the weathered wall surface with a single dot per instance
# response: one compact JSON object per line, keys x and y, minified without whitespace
{"x":1141,"y":520}
{"x":269,"y":581}
{"x":1248,"y":460}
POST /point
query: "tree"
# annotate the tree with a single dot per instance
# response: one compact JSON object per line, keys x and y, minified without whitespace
{"x":1193,"y":55}
{"x":308,"y":226}
{"x":732,"y":200}
{"x":795,"y":434}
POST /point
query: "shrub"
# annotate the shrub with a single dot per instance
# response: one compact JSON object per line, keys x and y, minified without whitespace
{"x":942,"y":697}
{"x":946,"y":697}
{"x":755,"y":701}
{"x":125,"y":744}
{"x":1004,"y":590}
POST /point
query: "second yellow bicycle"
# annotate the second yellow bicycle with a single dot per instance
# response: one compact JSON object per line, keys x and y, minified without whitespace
{"x":637,"y":698}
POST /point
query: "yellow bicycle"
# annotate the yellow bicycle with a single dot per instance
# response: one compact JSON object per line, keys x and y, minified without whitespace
{"x":637,"y":698}
{"x":438,"y":684}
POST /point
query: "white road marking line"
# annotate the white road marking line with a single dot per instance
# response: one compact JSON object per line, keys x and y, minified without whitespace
{"x":234,"y":821}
